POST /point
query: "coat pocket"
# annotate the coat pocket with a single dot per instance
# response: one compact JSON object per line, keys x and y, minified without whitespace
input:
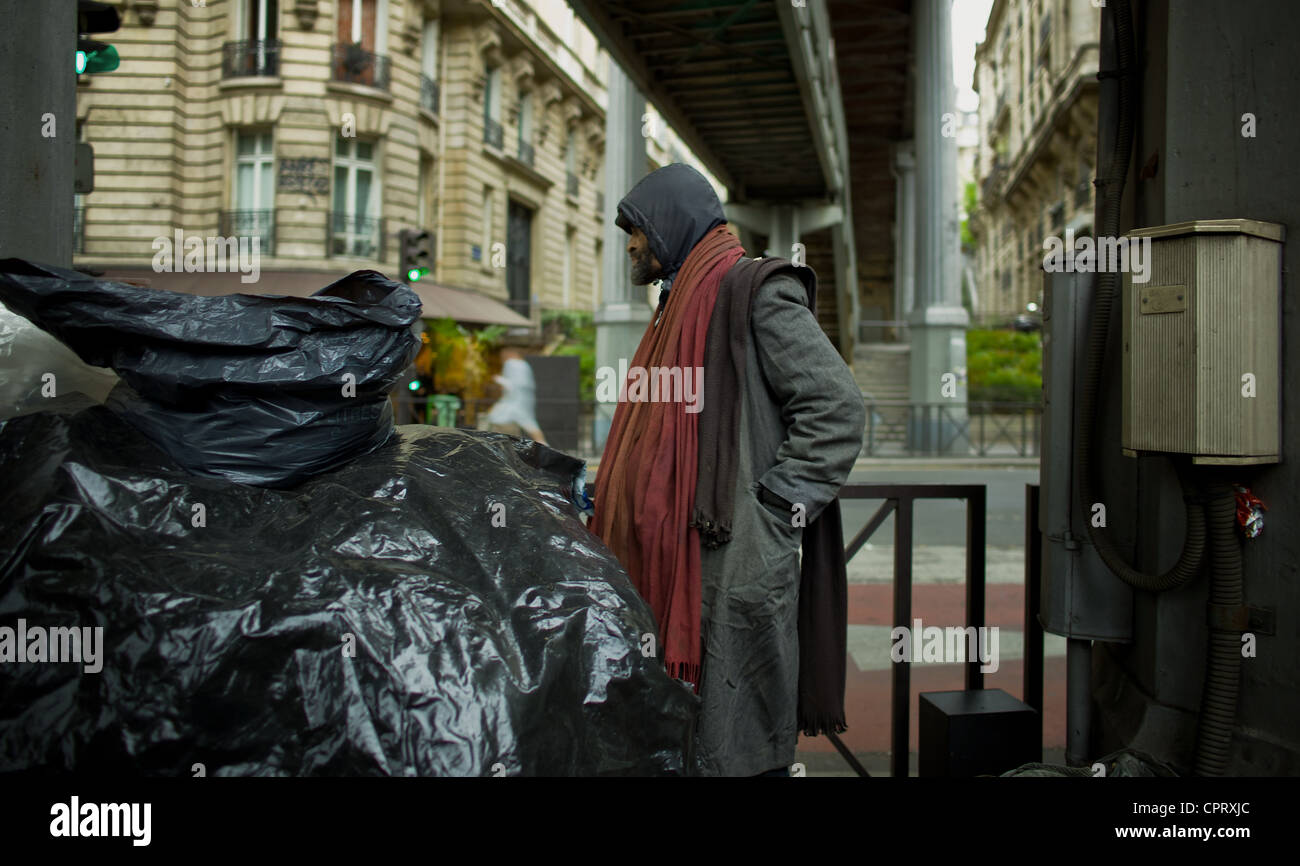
{"x":783,"y":537}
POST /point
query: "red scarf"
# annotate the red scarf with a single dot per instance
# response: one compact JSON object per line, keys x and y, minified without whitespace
{"x":645,"y":487}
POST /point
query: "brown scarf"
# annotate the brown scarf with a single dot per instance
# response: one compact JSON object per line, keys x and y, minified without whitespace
{"x":646,"y":484}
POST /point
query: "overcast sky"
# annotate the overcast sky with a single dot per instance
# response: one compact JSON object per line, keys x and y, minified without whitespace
{"x":968,"y":18}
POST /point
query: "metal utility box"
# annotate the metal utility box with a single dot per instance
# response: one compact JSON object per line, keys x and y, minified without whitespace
{"x":1202,"y":338}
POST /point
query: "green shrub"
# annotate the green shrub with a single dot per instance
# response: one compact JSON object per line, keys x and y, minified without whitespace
{"x":1004,"y":366}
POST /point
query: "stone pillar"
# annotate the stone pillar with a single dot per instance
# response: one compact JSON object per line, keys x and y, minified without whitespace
{"x":904,"y":230}
{"x":938,"y":321}
{"x":623,"y":313}
{"x":39,"y":97}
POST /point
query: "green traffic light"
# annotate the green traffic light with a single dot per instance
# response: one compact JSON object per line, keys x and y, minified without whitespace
{"x":415,"y":385}
{"x":103,"y":59}
{"x":413,"y":275}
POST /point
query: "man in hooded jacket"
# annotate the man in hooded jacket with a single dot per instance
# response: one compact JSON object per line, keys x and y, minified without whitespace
{"x":707,"y":505}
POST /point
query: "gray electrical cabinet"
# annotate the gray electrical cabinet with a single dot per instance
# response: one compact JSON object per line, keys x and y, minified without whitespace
{"x":1080,"y":597}
{"x":1202,"y":367}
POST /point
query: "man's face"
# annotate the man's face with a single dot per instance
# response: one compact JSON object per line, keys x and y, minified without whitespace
{"x":645,"y":267}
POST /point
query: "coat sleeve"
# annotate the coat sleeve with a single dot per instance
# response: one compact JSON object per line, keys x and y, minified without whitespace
{"x":821,"y":403}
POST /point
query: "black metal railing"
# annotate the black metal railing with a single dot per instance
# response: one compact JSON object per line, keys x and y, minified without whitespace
{"x":899,"y":501}
{"x":1033,"y":673}
{"x":251,"y":58}
{"x":600,"y":202}
{"x":571,"y":183}
{"x":250,"y":224}
{"x":79,"y":229}
{"x":352,"y":235}
{"x":429,"y":94}
{"x":902,"y":428}
{"x":355,"y":65}
{"x":493,"y":133}
{"x":526,"y":153}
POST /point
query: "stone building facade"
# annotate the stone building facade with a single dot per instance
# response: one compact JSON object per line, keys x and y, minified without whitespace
{"x":327,"y":127}
{"x":1036,"y":75}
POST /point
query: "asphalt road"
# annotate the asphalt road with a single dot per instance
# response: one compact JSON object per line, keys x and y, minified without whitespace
{"x":943,"y":522}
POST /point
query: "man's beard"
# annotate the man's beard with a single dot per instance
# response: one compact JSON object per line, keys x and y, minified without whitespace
{"x":642,"y":271}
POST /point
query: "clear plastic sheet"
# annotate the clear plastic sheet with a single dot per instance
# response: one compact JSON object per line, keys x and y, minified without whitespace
{"x":434,"y":607}
{"x":27,"y":354}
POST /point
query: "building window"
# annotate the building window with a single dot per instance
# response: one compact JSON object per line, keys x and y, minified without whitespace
{"x":257,"y":51}
{"x":252,"y":212}
{"x":526,"y":128}
{"x":571,"y":163}
{"x":357,"y":57}
{"x":424,"y":205}
{"x":492,"y":131}
{"x":357,"y":23}
{"x":356,"y":225}
{"x":429,"y":67}
{"x":260,"y":19}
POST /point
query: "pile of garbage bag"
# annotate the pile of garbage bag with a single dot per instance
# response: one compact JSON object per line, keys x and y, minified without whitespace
{"x":429,"y":605}
{"x":260,"y":389}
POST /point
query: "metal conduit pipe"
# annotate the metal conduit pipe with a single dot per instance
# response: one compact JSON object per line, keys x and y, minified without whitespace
{"x":1228,"y":619}
{"x":1111,"y":181}
{"x":1226,"y":610}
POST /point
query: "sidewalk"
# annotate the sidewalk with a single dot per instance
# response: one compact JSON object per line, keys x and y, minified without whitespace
{"x":919,"y":464}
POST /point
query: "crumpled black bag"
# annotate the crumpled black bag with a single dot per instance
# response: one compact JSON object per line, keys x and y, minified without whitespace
{"x":492,"y":634}
{"x":245,"y":387}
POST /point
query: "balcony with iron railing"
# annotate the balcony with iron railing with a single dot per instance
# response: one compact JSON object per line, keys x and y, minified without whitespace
{"x":250,"y":224}
{"x":251,"y":58}
{"x":429,"y":94}
{"x":354,"y":235}
{"x":79,"y":230}
{"x":571,"y":184}
{"x":353,"y":64}
{"x":526,"y":153}
{"x":493,"y":133}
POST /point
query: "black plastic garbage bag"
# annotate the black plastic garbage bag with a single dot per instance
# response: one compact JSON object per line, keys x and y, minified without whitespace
{"x":435,"y":607}
{"x":260,"y":389}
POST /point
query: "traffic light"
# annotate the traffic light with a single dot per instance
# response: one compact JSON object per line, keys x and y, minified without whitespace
{"x":94,"y":56}
{"x":416,"y":254}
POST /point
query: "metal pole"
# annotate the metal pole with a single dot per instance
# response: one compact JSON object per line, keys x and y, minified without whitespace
{"x":976,"y":511}
{"x":1078,"y":701}
{"x":902,"y":687}
{"x":38,"y":113}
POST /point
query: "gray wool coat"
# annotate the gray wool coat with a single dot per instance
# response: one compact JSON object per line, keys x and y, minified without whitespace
{"x":801,"y":424}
